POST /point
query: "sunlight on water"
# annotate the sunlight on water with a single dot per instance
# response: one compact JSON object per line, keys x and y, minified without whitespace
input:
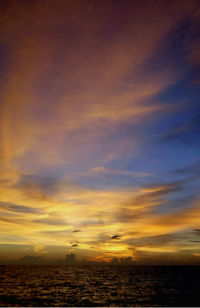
{"x":99,"y":286}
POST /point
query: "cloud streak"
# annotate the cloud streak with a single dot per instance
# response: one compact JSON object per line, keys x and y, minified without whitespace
{"x":86,"y":90}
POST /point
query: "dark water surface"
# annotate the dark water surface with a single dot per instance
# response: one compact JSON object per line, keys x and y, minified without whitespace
{"x":99,"y":286}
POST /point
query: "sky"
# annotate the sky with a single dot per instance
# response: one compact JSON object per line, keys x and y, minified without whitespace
{"x":100,"y":130}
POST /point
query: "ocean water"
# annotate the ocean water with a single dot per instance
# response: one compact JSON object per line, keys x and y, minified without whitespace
{"x":85,"y":286}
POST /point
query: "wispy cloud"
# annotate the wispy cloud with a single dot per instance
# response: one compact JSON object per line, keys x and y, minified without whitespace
{"x":51,"y":221}
{"x":84,"y":90}
{"x":187,"y":131}
{"x":20,"y":208}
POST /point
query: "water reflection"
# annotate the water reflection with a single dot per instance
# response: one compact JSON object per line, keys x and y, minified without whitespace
{"x":99,"y":286}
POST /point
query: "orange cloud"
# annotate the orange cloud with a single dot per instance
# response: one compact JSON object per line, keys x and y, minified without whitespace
{"x":74,"y":78}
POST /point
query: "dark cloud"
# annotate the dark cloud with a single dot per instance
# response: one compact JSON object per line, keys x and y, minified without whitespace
{"x":157,"y":240}
{"x":186,"y":132}
{"x":102,"y":238}
{"x":75,"y":245}
{"x":45,"y":184}
{"x":12,"y":221}
{"x":20,"y":208}
{"x":93,"y":223}
{"x":116,"y":237}
{"x":194,"y":168}
{"x":124,"y":214}
{"x":31,"y":260}
{"x":56,"y":233}
{"x":150,"y":197}
{"x":51,"y":221}
{"x":75,"y":231}
{"x":12,"y":238}
{"x":156,"y":191}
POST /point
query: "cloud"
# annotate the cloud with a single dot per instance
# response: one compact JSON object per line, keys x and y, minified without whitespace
{"x":92,"y":223}
{"x":20,"y":208}
{"x":107,"y":171}
{"x":10,"y":239}
{"x":107,"y":86}
{"x":192,"y":169}
{"x":47,"y":185}
{"x":187,"y":132}
{"x":145,"y":200}
{"x":60,"y":234}
{"x":40,"y":248}
{"x":11,"y":221}
{"x":116,"y":237}
{"x":51,"y":221}
{"x":157,"y":240}
{"x":196,"y":254}
{"x":83,"y":106}
{"x":31,"y":260}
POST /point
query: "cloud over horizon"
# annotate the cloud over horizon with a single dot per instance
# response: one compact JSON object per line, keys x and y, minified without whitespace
{"x":99,"y":133}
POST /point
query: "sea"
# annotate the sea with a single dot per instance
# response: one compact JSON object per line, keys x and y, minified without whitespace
{"x":99,"y":286}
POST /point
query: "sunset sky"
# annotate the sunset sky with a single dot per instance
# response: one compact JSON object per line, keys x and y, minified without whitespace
{"x":100,"y":129}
